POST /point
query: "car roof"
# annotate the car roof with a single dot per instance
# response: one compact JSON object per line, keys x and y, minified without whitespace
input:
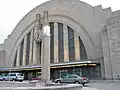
{"x":71,"y":75}
{"x":14,"y":73}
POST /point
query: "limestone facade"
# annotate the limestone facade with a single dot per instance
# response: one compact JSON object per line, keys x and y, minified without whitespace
{"x":98,"y":29}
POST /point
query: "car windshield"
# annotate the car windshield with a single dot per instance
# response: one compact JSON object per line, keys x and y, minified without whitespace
{"x":20,"y":74}
{"x":71,"y":76}
{"x":65,"y":76}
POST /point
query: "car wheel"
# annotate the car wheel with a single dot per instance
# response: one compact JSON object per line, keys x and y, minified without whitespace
{"x":77,"y":82}
{"x":4,"y":79}
{"x":58,"y":81}
{"x":13,"y":79}
{"x":83,"y":84}
{"x":21,"y":80}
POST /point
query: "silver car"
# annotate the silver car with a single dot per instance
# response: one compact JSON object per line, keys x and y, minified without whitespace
{"x":72,"y":78}
{"x":14,"y":77}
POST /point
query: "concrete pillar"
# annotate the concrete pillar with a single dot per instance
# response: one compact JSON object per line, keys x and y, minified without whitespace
{"x":24,"y":51}
{"x":34,"y":51}
{"x":106,"y":54}
{"x":31,"y":48}
{"x":18,"y":56}
{"x":66,"y":47}
{"x":77,"y":47}
{"x":45,"y":62}
{"x":36,"y":44}
{"x":56,"y":58}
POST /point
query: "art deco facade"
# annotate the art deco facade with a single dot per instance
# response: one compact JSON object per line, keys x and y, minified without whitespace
{"x":84,"y":40}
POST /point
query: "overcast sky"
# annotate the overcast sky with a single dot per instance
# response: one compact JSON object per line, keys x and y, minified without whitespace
{"x":12,"y":11}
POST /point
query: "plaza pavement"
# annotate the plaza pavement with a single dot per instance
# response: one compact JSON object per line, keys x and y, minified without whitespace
{"x":94,"y":85}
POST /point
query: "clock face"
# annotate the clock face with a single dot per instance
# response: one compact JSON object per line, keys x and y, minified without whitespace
{"x":38,"y":35}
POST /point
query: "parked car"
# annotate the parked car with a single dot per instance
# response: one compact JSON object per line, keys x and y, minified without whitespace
{"x":35,"y":78}
{"x":5,"y":77}
{"x":72,"y":78}
{"x":14,"y":77}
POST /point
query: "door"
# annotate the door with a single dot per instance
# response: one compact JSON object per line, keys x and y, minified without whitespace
{"x":65,"y":79}
{"x":72,"y":79}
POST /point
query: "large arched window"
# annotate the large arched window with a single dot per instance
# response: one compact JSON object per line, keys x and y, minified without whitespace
{"x":61,"y":46}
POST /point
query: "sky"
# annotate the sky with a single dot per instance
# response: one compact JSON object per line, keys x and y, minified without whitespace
{"x":12,"y":11}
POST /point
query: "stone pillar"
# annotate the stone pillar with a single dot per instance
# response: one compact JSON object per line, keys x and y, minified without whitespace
{"x":77,"y":47}
{"x":56,"y":43}
{"x":106,"y":54}
{"x":34,"y":51}
{"x":24,"y":51}
{"x":45,"y":62}
{"x":36,"y":43}
{"x":31,"y":48}
{"x":18,"y":56}
{"x":66,"y":47}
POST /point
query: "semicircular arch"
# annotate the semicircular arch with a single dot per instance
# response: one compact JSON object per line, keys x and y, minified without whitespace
{"x":81,"y":31}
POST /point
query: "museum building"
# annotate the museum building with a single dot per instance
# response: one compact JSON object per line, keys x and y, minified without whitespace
{"x":84,"y":40}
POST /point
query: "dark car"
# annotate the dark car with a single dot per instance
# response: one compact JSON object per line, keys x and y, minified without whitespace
{"x":35,"y":78}
{"x":72,"y":78}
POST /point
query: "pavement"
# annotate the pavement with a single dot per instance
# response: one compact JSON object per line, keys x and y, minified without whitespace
{"x":88,"y":88}
{"x":93,"y":85}
{"x":104,"y":84}
{"x":105,"y":81}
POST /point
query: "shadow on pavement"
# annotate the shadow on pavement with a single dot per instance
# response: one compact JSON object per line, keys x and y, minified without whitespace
{"x":86,"y":86}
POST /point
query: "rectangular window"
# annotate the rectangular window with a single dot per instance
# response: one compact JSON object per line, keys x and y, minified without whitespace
{"x":15,"y":59}
{"x":28,"y":48}
{"x":70,"y":71}
{"x":71,"y":44}
{"x":60,"y":42}
{"x":83,"y":54}
{"x":21,"y":53}
{"x":40,"y":50}
{"x":51,"y":42}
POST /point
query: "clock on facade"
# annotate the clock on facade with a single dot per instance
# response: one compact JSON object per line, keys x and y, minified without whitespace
{"x":38,"y":35}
